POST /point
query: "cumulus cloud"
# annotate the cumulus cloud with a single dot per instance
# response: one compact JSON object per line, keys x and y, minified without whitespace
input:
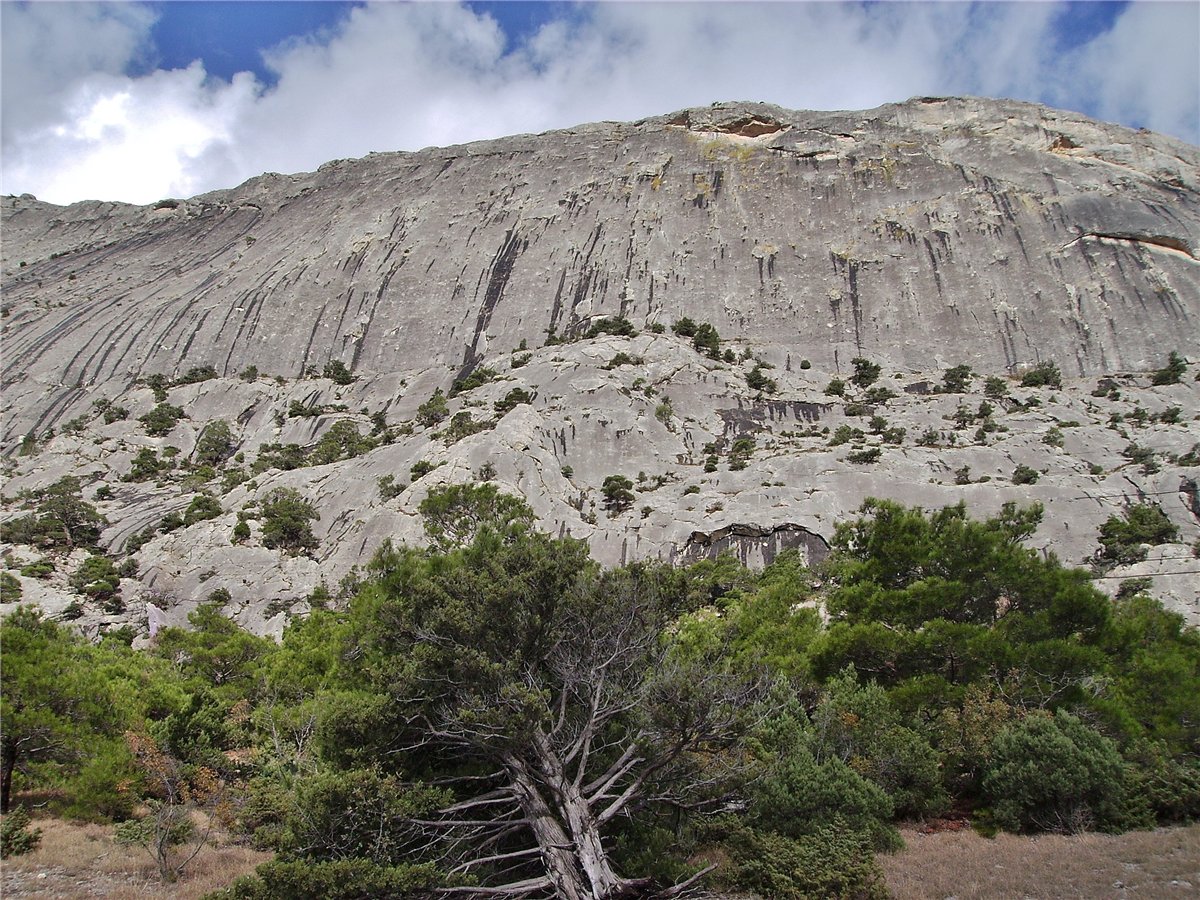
{"x":402,"y":76}
{"x":1146,"y":70}
{"x":52,"y":48}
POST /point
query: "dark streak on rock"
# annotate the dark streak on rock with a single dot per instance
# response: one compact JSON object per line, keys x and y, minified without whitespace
{"x":499,"y":273}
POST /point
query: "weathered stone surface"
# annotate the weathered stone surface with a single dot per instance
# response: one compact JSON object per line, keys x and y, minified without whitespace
{"x":920,"y":235}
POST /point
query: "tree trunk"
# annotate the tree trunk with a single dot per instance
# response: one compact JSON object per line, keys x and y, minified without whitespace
{"x":575,"y":813}
{"x":593,"y":858}
{"x":8,"y":762}
{"x":557,"y":849}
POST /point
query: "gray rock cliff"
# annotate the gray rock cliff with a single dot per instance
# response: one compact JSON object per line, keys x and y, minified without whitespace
{"x":922,"y":235}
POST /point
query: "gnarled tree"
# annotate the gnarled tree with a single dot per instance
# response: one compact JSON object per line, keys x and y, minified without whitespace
{"x":550,"y":698}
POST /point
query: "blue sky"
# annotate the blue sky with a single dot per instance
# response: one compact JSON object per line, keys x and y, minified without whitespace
{"x":138,"y":101}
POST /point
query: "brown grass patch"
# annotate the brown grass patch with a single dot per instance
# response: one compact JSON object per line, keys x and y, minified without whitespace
{"x":83,"y":861}
{"x":1152,"y":864}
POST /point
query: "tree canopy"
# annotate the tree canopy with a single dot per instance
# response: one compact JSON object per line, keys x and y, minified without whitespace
{"x":496,"y":715}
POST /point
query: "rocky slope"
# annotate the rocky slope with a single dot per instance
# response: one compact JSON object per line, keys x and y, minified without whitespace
{"x":919,"y":236}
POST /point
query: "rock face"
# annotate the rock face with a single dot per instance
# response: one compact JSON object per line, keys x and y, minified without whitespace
{"x":923,"y":235}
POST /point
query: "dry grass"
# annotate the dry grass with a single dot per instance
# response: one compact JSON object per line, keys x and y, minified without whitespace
{"x":78,"y":861}
{"x":1156,"y":864}
{"x":82,"y":861}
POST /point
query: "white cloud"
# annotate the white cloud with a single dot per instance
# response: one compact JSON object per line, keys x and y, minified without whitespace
{"x":130,"y":139}
{"x":402,"y":76}
{"x":1146,"y":70}
{"x":51,"y":48}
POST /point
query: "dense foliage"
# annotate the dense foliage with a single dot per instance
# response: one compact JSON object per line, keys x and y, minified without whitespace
{"x":497,"y":715}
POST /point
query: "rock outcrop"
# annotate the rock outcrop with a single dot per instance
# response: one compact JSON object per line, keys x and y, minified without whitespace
{"x":920,"y":236}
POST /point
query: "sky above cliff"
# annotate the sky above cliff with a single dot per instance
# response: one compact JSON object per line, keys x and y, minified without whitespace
{"x":140,"y":101}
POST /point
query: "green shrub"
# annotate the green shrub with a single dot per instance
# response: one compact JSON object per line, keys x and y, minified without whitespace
{"x":241,"y":531}
{"x":1053,"y":773}
{"x":298,"y":409}
{"x":170,"y":522}
{"x":859,"y":723}
{"x":158,"y":383}
{"x":433,"y":410}
{"x":343,"y":440}
{"x":16,"y":834}
{"x":196,"y":375}
{"x":10,"y":588}
{"x":930,"y":437}
{"x":219,"y":597}
{"x":480,"y":376}
{"x":61,"y":518}
{"x":1023,"y":474}
{"x":957,"y":380}
{"x":865,"y":456}
{"x":757,"y":380}
{"x":1191,"y":458}
{"x":160,"y":420}
{"x":202,"y":507}
{"x":336,"y":371}
{"x":280,"y":456}
{"x":684,"y":327}
{"x":512,"y":400}
{"x":740,"y":453}
{"x":39,"y":568}
{"x":1170,"y":415}
{"x":146,"y":465}
{"x":866,"y":372}
{"x":1170,"y":785}
{"x":707,"y":341}
{"x":844,"y":434}
{"x":963,"y":416}
{"x":836,"y":388}
{"x":98,"y":579}
{"x":618,"y":325}
{"x":463,"y":425}
{"x":1123,"y":539}
{"x":1172,"y":372}
{"x":832,"y":861}
{"x":995,"y":387}
{"x":135,"y":542}
{"x":339,"y":879}
{"x":798,"y":796}
{"x":76,"y":425}
{"x":1142,"y":456}
{"x":215,"y":444}
{"x":618,"y":494}
{"x":285,"y":521}
{"x":388,"y":488}
{"x":879,"y":395}
{"x":115,"y":414}
{"x":1044,"y":374}
{"x":421,"y":468}
{"x":664,"y":412}
{"x":623,"y":359}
